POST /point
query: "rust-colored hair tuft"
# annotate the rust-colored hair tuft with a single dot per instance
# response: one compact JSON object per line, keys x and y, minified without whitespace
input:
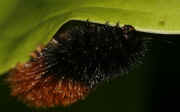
{"x":29,"y":84}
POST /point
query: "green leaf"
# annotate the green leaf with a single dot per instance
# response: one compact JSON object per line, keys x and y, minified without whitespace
{"x":26,"y":24}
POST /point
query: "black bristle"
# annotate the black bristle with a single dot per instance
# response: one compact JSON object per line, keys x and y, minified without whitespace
{"x":91,"y":52}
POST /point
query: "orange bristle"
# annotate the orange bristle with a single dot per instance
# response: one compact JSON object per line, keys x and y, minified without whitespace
{"x":29,"y":84}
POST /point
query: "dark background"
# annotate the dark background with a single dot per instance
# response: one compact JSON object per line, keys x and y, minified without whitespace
{"x":149,"y":87}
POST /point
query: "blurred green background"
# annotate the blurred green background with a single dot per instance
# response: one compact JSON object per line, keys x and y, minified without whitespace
{"x":149,"y":87}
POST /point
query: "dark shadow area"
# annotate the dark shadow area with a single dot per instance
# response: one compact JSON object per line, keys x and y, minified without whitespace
{"x":162,"y":76}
